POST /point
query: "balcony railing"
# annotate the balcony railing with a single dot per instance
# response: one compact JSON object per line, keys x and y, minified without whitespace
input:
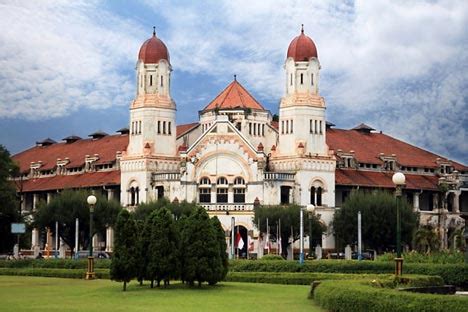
{"x":228,"y":207}
{"x":166,"y":176}
{"x":278,"y":176}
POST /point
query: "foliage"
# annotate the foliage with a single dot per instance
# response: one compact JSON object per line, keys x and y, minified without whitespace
{"x":54,"y":263}
{"x":222,"y":270}
{"x":426,"y":239}
{"x":352,"y":296}
{"x":378,"y":211}
{"x":199,"y":249}
{"x":9,"y":207}
{"x":453,"y":274}
{"x":177,"y":209}
{"x":143,"y":241}
{"x":123,"y":265}
{"x":290,"y":219}
{"x":48,"y":272}
{"x":68,"y":206}
{"x":272,"y":257}
{"x":417,"y":257}
{"x":162,"y":264}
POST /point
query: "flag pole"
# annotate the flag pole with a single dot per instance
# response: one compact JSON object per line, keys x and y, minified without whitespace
{"x":268,"y":237}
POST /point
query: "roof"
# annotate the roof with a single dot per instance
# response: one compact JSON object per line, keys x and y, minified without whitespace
{"x":61,"y":182}
{"x":363,"y":127}
{"x":234,"y":96}
{"x":105,"y":147}
{"x":352,"y":177}
{"x":153,"y":50}
{"x":302,"y":48}
{"x":184,"y":128}
{"x":367,"y":148}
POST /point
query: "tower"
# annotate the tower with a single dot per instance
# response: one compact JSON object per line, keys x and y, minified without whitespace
{"x":152,"y":128}
{"x":302,"y":109}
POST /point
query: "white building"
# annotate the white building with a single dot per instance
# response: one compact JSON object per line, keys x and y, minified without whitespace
{"x":236,"y":155}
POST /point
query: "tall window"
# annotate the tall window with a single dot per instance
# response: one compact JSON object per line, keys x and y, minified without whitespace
{"x":312,"y":195}
{"x":316,"y":195}
{"x":302,"y":78}
{"x":205,"y":190}
{"x":134,"y":196}
{"x":292,"y":126}
{"x":282,"y":126}
{"x":287,"y":126}
{"x":162,"y":81}
{"x":169,"y":127}
{"x":222,"y":190}
{"x":311,"y":79}
{"x":164,"y":127}
{"x":159,"y":127}
{"x":151,"y":80}
{"x":319,"y":196}
{"x":291,"y":79}
{"x":239,"y":190}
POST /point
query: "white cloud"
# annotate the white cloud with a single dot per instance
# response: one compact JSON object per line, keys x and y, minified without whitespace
{"x":58,"y":56}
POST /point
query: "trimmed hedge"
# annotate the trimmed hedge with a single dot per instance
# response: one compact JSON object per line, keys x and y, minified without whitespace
{"x":453,"y":274}
{"x":359,"y":296}
{"x":306,"y":278}
{"x":47,"y":272}
{"x":54,"y":263}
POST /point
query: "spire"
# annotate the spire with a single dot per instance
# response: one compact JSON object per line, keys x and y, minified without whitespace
{"x":235,"y":77}
{"x":154,"y":31}
{"x":302,"y":28}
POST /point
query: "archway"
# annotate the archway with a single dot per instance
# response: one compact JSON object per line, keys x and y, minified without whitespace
{"x":240,"y":252}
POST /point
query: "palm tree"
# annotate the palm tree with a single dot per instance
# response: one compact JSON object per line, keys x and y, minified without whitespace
{"x":426,"y":239}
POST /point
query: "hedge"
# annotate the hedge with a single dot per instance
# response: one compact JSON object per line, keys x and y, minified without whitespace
{"x":306,"y":278}
{"x":453,"y":274}
{"x":48,"y":272}
{"x":54,"y":263}
{"x":353,"y":296}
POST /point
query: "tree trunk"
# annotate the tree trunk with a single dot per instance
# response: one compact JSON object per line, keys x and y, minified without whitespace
{"x":159,"y":283}
{"x":152,"y":283}
{"x":125,"y":286}
{"x":199,"y":284}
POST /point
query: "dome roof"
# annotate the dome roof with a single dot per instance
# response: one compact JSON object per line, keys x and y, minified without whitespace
{"x":302,"y":48}
{"x":153,"y":50}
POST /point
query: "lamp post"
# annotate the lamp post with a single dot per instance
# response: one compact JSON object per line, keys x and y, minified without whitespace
{"x":399,"y":180}
{"x":310,"y":212}
{"x":310,"y":209}
{"x":90,"y":273}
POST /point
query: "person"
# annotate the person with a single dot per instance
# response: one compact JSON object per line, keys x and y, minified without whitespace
{"x":39,"y":256}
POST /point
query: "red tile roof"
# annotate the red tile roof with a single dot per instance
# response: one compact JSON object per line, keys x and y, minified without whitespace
{"x":234,"y":96}
{"x":105,"y":147}
{"x":352,"y":177}
{"x":90,"y":179}
{"x":368,"y":146}
{"x":153,"y":50}
{"x":182,"y":129}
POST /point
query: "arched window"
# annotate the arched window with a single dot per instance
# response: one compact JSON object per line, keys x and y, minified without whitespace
{"x":134,"y":196}
{"x":316,"y":195}
{"x":239,"y":190}
{"x":319,"y":196}
{"x":164,"y":127}
{"x":204,"y":190}
{"x":222,"y":190}
{"x":312,"y":195}
{"x":169,"y":127}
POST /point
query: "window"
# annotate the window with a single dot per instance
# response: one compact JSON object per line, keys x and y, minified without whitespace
{"x":162,"y":81}
{"x":134,"y":196}
{"x":222,"y":181}
{"x":169,"y":127}
{"x":205,"y":195}
{"x":164,"y":127}
{"x":312,"y":195}
{"x":160,"y":191}
{"x":282,"y":126}
{"x":221,"y":195}
{"x":320,"y":127}
{"x":159,"y":127}
{"x":139,"y":127}
{"x":291,"y":80}
{"x":302,"y":78}
{"x":311,"y":79}
{"x":239,"y":195}
{"x":319,"y":196}
{"x":250,"y":128}
{"x":263,"y":130}
{"x":315,"y":126}
{"x":151,"y":80}
{"x":254,"y":129}
{"x":287,"y":126}
{"x":285,"y":190}
{"x":292,"y":128}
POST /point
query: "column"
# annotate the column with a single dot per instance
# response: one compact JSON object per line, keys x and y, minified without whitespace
{"x":213,"y":195}
{"x":416,"y":201}
{"x":109,"y":239}
{"x":49,"y":197}
{"x":35,"y":231}
{"x":456,"y":202}
{"x":95,"y":242}
{"x":435,"y":201}
{"x":23,"y":203}
{"x":230,"y":194}
{"x":110,"y":194}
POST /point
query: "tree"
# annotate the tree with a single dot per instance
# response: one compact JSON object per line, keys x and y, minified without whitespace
{"x":290,"y":219}
{"x":426,"y":239}
{"x":162,"y":250}
{"x":68,"y":206}
{"x":177,"y":209}
{"x":123,"y":266}
{"x":378,"y":211}
{"x":9,"y":209}
{"x":199,"y":249}
{"x":222,"y":270}
{"x":143,"y":237}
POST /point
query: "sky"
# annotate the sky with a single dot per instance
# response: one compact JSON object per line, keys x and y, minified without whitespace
{"x":68,"y":67}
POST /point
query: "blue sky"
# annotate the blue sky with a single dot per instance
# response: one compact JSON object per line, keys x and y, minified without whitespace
{"x":67,"y":67}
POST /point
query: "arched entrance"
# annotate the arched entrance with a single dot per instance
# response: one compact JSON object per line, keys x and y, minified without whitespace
{"x":240,"y":241}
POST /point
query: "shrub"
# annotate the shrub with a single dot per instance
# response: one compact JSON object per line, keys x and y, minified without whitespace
{"x":272,"y":257}
{"x":54,"y":263}
{"x":441,"y":257}
{"x":353,"y":296}
{"x":48,"y":272}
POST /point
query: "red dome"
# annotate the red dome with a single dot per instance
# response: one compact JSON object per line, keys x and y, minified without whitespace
{"x":302,"y":48}
{"x":153,"y":50}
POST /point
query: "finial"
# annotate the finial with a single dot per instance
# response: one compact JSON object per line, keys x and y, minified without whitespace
{"x":154,"y":31}
{"x":235,"y":77}
{"x":302,"y":28}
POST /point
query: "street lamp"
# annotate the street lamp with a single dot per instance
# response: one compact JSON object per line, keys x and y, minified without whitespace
{"x":399,"y":180}
{"x":91,"y":202}
{"x":310,"y":209}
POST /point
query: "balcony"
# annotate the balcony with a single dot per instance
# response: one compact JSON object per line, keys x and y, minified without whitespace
{"x":166,"y":176}
{"x":278,"y":176}
{"x":228,"y":207}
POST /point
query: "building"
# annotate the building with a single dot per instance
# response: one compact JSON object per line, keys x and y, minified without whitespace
{"x":236,"y":155}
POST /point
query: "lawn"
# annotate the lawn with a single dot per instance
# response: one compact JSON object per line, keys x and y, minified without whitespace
{"x":60,"y":294}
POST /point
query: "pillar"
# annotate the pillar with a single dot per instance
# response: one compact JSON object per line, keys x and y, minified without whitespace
{"x":35,"y":201}
{"x":435,"y":202}
{"x":23,"y":203}
{"x":110,"y":194}
{"x":49,"y":197}
{"x":230,"y":195}
{"x":109,"y":239}
{"x":416,"y":201}
{"x":35,"y":231}
{"x":456,"y":202}
{"x":95,"y":242}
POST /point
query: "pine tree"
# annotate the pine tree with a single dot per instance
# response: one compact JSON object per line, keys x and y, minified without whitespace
{"x":163,"y":254}
{"x":200,"y":249}
{"x":123,"y":266}
{"x":142,"y":247}
{"x":222,"y":270}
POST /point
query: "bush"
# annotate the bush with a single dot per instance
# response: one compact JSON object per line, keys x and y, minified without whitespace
{"x":272,"y":257}
{"x":453,"y":274}
{"x":441,"y":257}
{"x":352,"y":296}
{"x":54,"y":263}
{"x":47,"y":272}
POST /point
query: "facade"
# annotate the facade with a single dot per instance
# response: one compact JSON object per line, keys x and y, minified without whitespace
{"x":237,"y":155}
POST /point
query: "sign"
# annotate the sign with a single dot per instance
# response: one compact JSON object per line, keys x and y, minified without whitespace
{"x":18,"y":228}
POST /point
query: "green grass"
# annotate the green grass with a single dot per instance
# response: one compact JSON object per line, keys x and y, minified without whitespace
{"x":18,"y":293}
